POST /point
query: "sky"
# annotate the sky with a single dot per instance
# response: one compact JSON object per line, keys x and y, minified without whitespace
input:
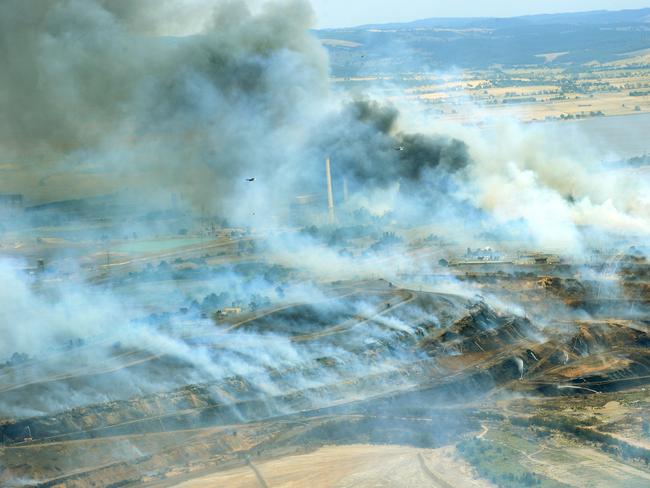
{"x":341,"y":13}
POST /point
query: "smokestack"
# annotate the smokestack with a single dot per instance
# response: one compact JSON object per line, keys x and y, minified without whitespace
{"x":330,"y":194}
{"x":345,"y":190}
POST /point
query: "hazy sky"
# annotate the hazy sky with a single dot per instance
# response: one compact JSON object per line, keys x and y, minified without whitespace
{"x":338,"y":13}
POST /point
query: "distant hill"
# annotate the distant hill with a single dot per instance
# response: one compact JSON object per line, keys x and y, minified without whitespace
{"x":439,"y":43}
{"x":595,"y":17}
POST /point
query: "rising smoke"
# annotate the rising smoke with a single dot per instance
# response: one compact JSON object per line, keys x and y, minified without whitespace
{"x":194,"y":106}
{"x":369,"y":147}
{"x":91,"y":87}
{"x":116,"y":91}
{"x":190,"y":98}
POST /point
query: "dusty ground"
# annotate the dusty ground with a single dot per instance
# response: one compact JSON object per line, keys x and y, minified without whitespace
{"x":356,"y":466}
{"x":587,"y":467}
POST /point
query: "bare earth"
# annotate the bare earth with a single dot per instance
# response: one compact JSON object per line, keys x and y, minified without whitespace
{"x":356,"y":466}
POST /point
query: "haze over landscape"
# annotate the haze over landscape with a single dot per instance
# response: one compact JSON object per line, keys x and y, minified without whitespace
{"x":339,"y":13}
{"x":283,"y":243}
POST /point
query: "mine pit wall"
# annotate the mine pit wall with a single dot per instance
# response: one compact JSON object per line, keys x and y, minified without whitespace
{"x":431,"y":391}
{"x":408,"y":419}
{"x":122,"y":418}
{"x":619,"y":308}
{"x":196,"y":407}
{"x":412,"y":415}
{"x":636,"y":373}
{"x":537,"y":287}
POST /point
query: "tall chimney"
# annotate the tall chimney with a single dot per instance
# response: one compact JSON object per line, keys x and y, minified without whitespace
{"x":330,"y":195}
{"x":345,"y":190}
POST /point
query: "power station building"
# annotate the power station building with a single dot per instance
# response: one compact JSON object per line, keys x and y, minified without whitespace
{"x":318,"y":208}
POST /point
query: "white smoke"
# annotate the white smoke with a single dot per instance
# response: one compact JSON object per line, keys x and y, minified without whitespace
{"x":29,"y":322}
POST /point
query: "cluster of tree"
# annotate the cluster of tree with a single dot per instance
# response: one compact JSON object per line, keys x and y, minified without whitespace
{"x":499,"y":464}
{"x":213,"y":302}
{"x":519,"y":100}
{"x":583,"y":429}
{"x":582,"y":115}
{"x":165,"y":271}
{"x":246,"y":247}
{"x":387,"y":240}
{"x":16,"y":359}
{"x":339,"y":236}
{"x":199,"y":261}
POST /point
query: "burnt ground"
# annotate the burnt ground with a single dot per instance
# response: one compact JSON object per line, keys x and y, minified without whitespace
{"x":379,"y":364}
